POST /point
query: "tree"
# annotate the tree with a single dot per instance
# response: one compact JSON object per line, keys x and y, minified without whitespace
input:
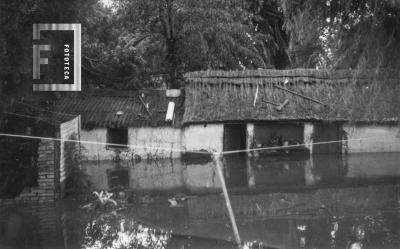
{"x":187,"y":35}
{"x":345,"y":34}
{"x":269,"y":19}
{"x":108,"y":61}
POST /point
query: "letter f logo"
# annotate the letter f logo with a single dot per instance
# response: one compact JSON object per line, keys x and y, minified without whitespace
{"x":37,"y":60}
{"x":75,"y":57}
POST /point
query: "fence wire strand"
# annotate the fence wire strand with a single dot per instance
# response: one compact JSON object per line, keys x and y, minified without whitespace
{"x":184,"y":150}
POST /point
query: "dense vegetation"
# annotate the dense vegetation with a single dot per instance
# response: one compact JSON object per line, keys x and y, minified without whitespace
{"x":343,"y":34}
{"x":126,"y":41}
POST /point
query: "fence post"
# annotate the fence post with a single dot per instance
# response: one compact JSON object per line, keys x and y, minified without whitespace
{"x":218,"y":162}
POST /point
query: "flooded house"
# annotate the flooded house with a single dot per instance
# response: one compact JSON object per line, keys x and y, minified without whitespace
{"x":289,"y":128}
{"x":328,"y":132}
{"x":123,"y":129}
{"x":302,"y":167}
{"x":113,"y":120}
{"x":300,"y":106}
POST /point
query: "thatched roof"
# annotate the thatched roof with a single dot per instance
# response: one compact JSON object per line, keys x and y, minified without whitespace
{"x":216,"y":96}
{"x":99,"y":108}
{"x":274,"y":76}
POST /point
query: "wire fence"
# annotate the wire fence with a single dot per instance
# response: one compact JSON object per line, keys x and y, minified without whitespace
{"x":134,"y":146}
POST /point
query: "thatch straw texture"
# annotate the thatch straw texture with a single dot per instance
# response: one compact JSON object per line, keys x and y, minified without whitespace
{"x":217,"y":96}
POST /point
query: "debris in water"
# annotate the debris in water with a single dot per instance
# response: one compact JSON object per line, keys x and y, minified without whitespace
{"x":174,"y":202}
{"x":105,"y":197}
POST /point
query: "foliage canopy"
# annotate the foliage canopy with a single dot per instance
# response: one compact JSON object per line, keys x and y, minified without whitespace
{"x":344,"y":34}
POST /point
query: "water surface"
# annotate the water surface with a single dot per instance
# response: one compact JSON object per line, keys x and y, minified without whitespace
{"x":296,"y":201}
{"x":270,"y":173}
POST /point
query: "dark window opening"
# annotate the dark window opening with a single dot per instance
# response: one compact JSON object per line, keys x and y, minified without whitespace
{"x":279,"y":134}
{"x":117,"y":137}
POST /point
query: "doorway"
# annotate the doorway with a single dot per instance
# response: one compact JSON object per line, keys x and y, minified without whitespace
{"x":235,"y":170}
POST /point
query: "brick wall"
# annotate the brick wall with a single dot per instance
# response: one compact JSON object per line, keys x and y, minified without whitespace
{"x":53,"y":159}
{"x":46,"y":191}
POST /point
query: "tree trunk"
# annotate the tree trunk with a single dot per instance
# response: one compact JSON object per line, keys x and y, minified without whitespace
{"x":167,"y":20}
{"x":172,"y":61}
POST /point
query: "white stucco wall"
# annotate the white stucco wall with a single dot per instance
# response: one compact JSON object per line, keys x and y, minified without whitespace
{"x":67,"y":130}
{"x":308,"y":136}
{"x":159,"y":142}
{"x":200,"y":137}
{"x":249,"y":135}
{"x":155,"y":142}
{"x":375,"y":138}
{"x":91,"y":151}
{"x":167,"y":142}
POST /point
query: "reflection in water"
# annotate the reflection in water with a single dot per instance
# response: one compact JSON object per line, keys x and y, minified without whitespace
{"x":350,"y":232}
{"x":164,"y":176}
{"x":235,"y":170}
{"x":279,"y":171}
{"x":364,"y":217}
{"x":118,"y":178}
{"x":114,"y":231}
{"x":122,"y":230}
{"x":357,"y":216}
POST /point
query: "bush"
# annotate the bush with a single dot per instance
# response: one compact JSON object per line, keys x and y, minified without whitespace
{"x":77,"y":181}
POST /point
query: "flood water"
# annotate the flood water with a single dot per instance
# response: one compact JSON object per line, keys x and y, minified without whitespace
{"x":265,"y":173}
{"x":283,"y":202}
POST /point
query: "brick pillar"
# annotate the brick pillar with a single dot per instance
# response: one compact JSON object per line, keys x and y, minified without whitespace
{"x":47,"y":182}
